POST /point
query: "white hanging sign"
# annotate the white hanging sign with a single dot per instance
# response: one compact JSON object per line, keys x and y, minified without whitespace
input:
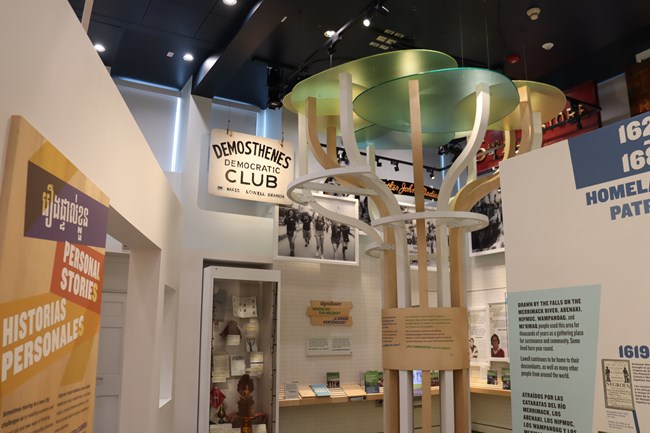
{"x":250,"y":168}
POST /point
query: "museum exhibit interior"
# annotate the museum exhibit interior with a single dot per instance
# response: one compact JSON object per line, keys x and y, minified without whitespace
{"x":355,"y":216}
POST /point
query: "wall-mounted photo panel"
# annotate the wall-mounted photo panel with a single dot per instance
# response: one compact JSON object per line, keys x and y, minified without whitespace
{"x":303,"y":234}
{"x":498,"y":316}
{"x":478,"y":335}
{"x":412,"y":239}
{"x":489,"y":240}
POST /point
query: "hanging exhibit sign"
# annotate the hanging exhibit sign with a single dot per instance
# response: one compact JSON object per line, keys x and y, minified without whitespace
{"x":400,"y":187}
{"x":53,"y":224}
{"x":580,"y":114}
{"x":637,"y":77}
{"x":577,"y":278}
{"x":250,"y":168}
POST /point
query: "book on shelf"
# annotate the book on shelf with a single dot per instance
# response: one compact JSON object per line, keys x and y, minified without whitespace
{"x":435,"y":378}
{"x":417,"y":382}
{"x":320,"y":390}
{"x":333,"y":379}
{"x":291,"y":390}
{"x":492,"y":377}
{"x":505,"y":377}
{"x":371,"y":381}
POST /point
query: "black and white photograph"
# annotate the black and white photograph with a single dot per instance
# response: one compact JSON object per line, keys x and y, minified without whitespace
{"x":303,"y":234}
{"x":489,"y":240}
{"x":412,"y":238}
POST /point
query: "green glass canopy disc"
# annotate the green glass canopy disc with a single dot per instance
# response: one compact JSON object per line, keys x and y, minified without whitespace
{"x":325,"y":122}
{"x":366,"y":72}
{"x":447,"y":100}
{"x":544,"y":99}
{"x":383,"y":138}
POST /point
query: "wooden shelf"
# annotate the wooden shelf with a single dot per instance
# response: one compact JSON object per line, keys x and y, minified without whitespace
{"x":484,"y":388}
{"x":355,"y":392}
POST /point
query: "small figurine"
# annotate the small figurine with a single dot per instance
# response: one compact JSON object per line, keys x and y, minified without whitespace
{"x":217,"y":400}
{"x":245,"y":387}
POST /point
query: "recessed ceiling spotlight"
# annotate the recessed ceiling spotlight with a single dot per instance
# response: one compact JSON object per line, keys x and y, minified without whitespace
{"x":230,"y":2}
{"x":533,"y":13}
{"x":329,"y":33}
{"x":188,"y":57}
{"x":170,"y":54}
{"x":100,"y":48}
{"x":547,"y":46}
{"x":366,"y":22}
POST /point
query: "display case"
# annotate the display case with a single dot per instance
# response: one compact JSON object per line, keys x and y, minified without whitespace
{"x":239,"y":338}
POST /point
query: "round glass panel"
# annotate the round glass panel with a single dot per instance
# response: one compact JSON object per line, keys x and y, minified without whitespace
{"x":383,"y":138}
{"x":544,"y":99}
{"x":366,"y":72}
{"x":447,"y":100}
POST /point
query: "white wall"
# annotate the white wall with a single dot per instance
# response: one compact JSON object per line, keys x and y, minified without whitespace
{"x":54,"y":78}
{"x":155,"y":113}
{"x":213,"y":229}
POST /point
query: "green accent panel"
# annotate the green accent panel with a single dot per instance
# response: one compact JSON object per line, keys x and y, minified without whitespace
{"x":544,"y":98}
{"x":366,"y":72}
{"x":383,"y":138}
{"x":447,"y":98}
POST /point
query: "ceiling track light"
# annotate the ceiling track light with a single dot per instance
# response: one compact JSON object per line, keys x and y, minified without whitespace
{"x":341,"y":155}
{"x":380,"y":8}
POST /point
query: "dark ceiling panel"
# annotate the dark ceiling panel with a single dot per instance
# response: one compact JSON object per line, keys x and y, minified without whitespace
{"x":109,"y":36}
{"x":174,"y":17}
{"x":238,"y":11}
{"x":257,"y":27}
{"x":592,"y":39}
{"x":127,"y":10}
{"x":248,"y":85}
{"x":144,"y":57}
{"x":215,"y":29}
{"x":202,"y":5}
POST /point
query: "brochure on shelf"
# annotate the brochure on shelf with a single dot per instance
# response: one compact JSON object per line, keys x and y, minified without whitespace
{"x":291,"y":390}
{"x":505,"y":378}
{"x":333,"y":379}
{"x":492,"y":377}
{"x":371,"y":381}
{"x":320,"y":390}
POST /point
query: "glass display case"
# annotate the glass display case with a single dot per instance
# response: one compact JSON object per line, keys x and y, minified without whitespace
{"x":239,"y":338}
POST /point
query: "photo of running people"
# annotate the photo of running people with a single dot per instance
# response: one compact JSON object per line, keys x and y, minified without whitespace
{"x":412,"y":239}
{"x":305,"y":235}
{"x":490,"y":239}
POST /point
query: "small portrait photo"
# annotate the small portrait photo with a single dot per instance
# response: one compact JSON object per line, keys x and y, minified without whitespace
{"x":496,"y":351}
